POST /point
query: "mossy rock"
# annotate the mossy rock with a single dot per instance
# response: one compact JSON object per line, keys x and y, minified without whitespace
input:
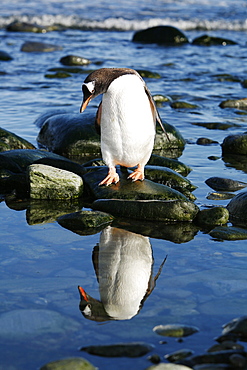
{"x":212,"y":216}
{"x":237,"y":208}
{"x":40,"y":47}
{"x":229,"y":233}
{"x":174,"y":164}
{"x":183,"y":105}
{"x":206,"y":40}
{"x":74,"y":60}
{"x":161,"y":35}
{"x":234,"y":103}
{"x":5,"y":56}
{"x":74,"y":363}
{"x":58,"y":75}
{"x":235,"y":144}
{"x":10,"y":141}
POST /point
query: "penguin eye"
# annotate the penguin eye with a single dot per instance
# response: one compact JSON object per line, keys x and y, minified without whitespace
{"x":87,"y":310}
{"x":90,"y":86}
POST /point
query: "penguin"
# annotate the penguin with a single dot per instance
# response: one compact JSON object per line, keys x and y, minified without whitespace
{"x":126,"y":118}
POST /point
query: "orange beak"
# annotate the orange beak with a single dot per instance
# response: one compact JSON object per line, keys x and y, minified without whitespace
{"x":85,"y":104}
{"x":83,"y":294}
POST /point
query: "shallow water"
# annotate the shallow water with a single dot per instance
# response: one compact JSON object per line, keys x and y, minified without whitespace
{"x":203,"y":281}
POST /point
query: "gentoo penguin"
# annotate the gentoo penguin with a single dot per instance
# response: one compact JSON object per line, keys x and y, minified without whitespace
{"x":126,"y":116}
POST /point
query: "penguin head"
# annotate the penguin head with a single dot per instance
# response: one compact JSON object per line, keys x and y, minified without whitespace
{"x":97,"y":82}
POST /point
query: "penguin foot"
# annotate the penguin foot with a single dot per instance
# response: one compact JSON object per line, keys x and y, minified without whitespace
{"x":138,"y":174}
{"x":111,"y":178}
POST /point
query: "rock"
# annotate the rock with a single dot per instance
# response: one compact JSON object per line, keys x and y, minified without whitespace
{"x":18,"y":26}
{"x":174,"y":164}
{"x":225,"y":346}
{"x":5,"y":56}
{"x":220,"y":357}
{"x":237,"y":208}
{"x":9,"y":141}
{"x":228,"y":233}
{"x":178,"y":355}
{"x":234,"y":103}
{"x":223,"y":184}
{"x":244,"y":83}
{"x":168,"y":367}
{"x":162,"y":35}
{"x":220,"y":196}
{"x":74,"y":60}
{"x":48,"y":182}
{"x":148,"y":74}
{"x":172,"y":147}
{"x":212,"y":216}
{"x":175,"y":330}
{"x":125,"y":188}
{"x":85,"y":222}
{"x":235,"y":144}
{"x":33,"y":46}
{"x":237,"y":326}
{"x":183,"y":105}
{"x":161,"y":99}
{"x":207,"y":40}
{"x":135,"y":349}
{"x":58,"y":75}
{"x":152,"y":210}
{"x":28,"y":323}
{"x":205,"y":141}
{"x":215,"y":125}
{"x":71,"y":135}
{"x":74,"y":363}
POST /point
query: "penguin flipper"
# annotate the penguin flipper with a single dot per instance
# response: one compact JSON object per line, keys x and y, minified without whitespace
{"x":98,"y":118}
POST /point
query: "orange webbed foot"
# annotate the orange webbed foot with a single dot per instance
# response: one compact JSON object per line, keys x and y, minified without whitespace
{"x":111,"y":178}
{"x":137,"y":174}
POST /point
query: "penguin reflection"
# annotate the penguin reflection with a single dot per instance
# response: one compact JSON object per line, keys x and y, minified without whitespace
{"x":123,"y":265}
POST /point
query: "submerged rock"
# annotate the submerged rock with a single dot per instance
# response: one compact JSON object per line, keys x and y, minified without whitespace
{"x":152,"y":210}
{"x":235,"y":144}
{"x":234,"y":103}
{"x":85,"y":222}
{"x":135,"y":349}
{"x":223,"y":184}
{"x":18,"y":26}
{"x":228,"y":233}
{"x":237,"y":208}
{"x":4,"y":56}
{"x":178,"y":355}
{"x":175,"y":330}
{"x":41,"y":47}
{"x":74,"y":60}
{"x":183,"y":105}
{"x":74,"y":363}
{"x":10,"y":141}
{"x":162,"y":35}
{"x":48,"y":182}
{"x":206,"y":40}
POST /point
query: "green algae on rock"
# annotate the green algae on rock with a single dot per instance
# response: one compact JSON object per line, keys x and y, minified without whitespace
{"x":228,"y":233}
{"x":74,"y":60}
{"x":235,"y":144}
{"x":174,"y":164}
{"x":212,"y":216}
{"x":75,"y":363}
{"x":11,"y":141}
{"x":237,"y":208}
{"x":206,"y":40}
{"x":175,"y":330}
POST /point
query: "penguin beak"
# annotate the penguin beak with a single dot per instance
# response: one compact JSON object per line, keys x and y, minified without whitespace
{"x":83,"y":294}
{"x":85,"y":103}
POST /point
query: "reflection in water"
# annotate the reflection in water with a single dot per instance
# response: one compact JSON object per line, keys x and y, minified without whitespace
{"x":123,"y":265}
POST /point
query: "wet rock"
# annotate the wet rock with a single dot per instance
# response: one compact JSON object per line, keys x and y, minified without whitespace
{"x":178,"y":355}
{"x":174,"y":164}
{"x":135,"y":349}
{"x":152,"y":210}
{"x":85,"y":222}
{"x":183,"y":105}
{"x":148,"y":74}
{"x":74,"y":60}
{"x":74,"y":363}
{"x":29,"y":323}
{"x":4,"y":56}
{"x":220,"y":357}
{"x":70,"y":70}
{"x":40,"y":47}
{"x":18,"y":26}
{"x":237,"y":326}
{"x":225,"y":346}
{"x":9,"y":141}
{"x":223,"y":184}
{"x":238,"y":361}
{"x":215,"y":125}
{"x":220,"y":196}
{"x":205,"y":141}
{"x":172,"y":147}
{"x":48,"y":182}
{"x":168,"y":367}
{"x":237,"y":208}
{"x":175,"y":330}
{"x":212,"y":367}
{"x":206,"y":40}
{"x":235,"y":144}
{"x":126,"y":189}
{"x":155,"y":359}
{"x":244,"y":83}
{"x":58,"y":75}
{"x":161,"y":99}
{"x":71,"y":135}
{"x":15,"y":182}
{"x":212,"y":216}
{"x":229,"y":233}
{"x":234,"y":103}
{"x":226,"y":77}
{"x":162,"y":35}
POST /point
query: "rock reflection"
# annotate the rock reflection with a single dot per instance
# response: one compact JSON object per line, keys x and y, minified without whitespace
{"x":123,"y":264}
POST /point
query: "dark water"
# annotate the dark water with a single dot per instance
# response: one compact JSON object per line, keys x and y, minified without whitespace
{"x":203,"y":281}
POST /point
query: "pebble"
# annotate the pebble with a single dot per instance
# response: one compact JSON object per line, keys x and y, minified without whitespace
{"x":223,"y":184}
{"x":76,"y":363}
{"x":175,"y":330}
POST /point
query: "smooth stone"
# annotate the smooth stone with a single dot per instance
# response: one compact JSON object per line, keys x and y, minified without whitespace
{"x":220,"y":196}
{"x":228,"y":233}
{"x":178,"y":355}
{"x":237,"y":208}
{"x":74,"y":363}
{"x":215,"y":125}
{"x":125,"y":188}
{"x":183,"y":105}
{"x":220,"y":357}
{"x":18,"y":26}
{"x":58,"y":75}
{"x":235,"y":144}
{"x":10,"y":141}
{"x":163,"y":366}
{"x":234,"y":103}
{"x":74,"y":60}
{"x":48,"y":182}
{"x":205,"y":141}
{"x":162,"y":35}
{"x":135,"y":349}
{"x":28,"y":323}
{"x":174,"y":164}
{"x":172,"y":147}
{"x":225,"y":346}
{"x":161,"y":99}
{"x":33,"y":46}
{"x":85,"y":222}
{"x":175,"y":330}
{"x":212,"y":216}
{"x":71,"y":135}
{"x":4,"y":56}
{"x":223,"y":184}
{"x":148,"y":74}
{"x":207,"y":40}
{"x":237,"y":326}
{"x":151,"y":210}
